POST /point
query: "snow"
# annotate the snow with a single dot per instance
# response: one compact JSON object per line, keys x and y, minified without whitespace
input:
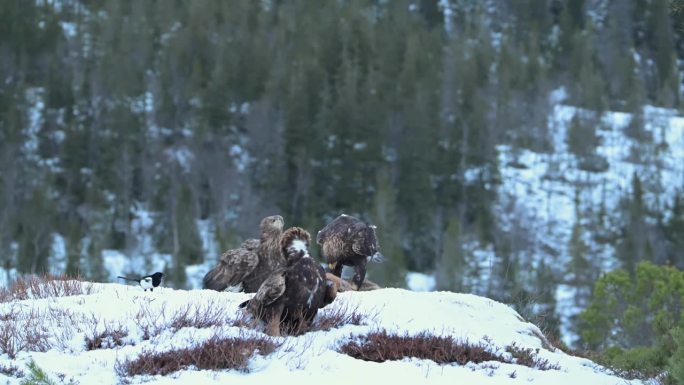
{"x":58,"y":259}
{"x":420,"y":282}
{"x":117,"y":263}
{"x":241,"y":157}
{"x":69,"y":28}
{"x":559,"y":95}
{"x":7,"y":276}
{"x":183,"y":156}
{"x":35,"y":98}
{"x":309,"y":358}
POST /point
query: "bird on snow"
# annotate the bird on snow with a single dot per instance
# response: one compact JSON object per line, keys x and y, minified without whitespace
{"x":291,"y":296}
{"x":245,"y":268}
{"x":147,"y":282}
{"x":348,"y":241}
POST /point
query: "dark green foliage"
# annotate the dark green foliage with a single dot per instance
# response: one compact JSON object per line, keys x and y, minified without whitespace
{"x":633,"y":245}
{"x":37,"y":376}
{"x":676,"y":360}
{"x":635,"y":320}
{"x":634,"y":311}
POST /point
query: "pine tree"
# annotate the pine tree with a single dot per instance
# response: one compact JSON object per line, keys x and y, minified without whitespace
{"x":392,"y":272}
{"x":450,"y":266}
{"x":632,"y":245}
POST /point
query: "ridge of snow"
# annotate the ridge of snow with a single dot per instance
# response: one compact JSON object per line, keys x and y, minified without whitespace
{"x":308,"y":358}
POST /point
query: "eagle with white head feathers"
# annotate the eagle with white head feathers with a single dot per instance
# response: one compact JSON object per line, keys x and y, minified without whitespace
{"x":290,"y":298}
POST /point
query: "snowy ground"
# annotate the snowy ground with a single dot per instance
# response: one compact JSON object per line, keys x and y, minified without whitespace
{"x":309,"y":358}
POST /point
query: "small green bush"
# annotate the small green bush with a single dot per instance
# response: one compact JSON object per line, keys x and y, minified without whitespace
{"x":676,"y":361}
{"x":633,"y":322}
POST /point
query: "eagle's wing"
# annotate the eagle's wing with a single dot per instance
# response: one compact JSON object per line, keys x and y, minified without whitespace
{"x":250,"y":244}
{"x":234,"y":266}
{"x":339,"y":227}
{"x":360,"y":246}
{"x":272,"y":288}
{"x":365,"y":241}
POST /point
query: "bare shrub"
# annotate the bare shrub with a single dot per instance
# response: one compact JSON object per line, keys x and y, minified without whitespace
{"x":150,"y":322}
{"x":530,"y":357}
{"x":24,"y":328}
{"x":214,"y":354}
{"x":153,"y":322}
{"x":244,"y":320}
{"x":335,"y":317}
{"x":110,"y":337}
{"x":11,"y":371}
{"x":23,"y":331}
{"x":199,"y":316}
{"x":381,"y":346}
{"x":35,"y":287}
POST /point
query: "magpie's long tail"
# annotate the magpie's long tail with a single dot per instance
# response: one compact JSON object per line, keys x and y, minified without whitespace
{"x":128,"y":279}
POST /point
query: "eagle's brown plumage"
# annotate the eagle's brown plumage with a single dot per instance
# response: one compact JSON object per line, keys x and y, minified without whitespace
{"x":291,"y":296}
{"x":247,"y":267}
{"x":348,"y":241}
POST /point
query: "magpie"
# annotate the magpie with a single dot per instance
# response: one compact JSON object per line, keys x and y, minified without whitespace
{"x":147,"y":282}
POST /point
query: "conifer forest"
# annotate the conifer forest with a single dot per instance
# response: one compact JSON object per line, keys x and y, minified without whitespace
{"x":529,"y":151}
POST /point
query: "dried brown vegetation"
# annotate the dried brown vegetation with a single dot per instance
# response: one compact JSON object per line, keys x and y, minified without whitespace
{"x":198,"y":316}
{"x":530,"y":357}
{"x":23,"y":332}
{"x":153,"y":322}
{"x":111,"y":336}
{"x":380,"y":346}
{"x":338,"y":316}
{"x":214,"y":354}
{"x":10,"y":370}
{"x":35,"y":287}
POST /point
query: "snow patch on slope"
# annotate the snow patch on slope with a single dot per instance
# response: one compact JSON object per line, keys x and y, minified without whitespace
{"x":312,"y":357}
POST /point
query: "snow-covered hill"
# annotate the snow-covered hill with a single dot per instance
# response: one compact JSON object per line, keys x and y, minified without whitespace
{"x":120,"y":322}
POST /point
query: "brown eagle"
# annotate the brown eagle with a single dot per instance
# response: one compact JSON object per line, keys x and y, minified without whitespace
{"x":290,"y":298}
{"x":247,"y":267}
{"x":348,"y":241}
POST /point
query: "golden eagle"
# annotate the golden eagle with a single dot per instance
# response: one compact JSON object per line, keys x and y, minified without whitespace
{"x":246,"y":268}
{"x":291,"y":296}
{"x":348,"y":241}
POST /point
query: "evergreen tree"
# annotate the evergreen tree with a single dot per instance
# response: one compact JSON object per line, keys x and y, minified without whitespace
{"x":451,"y":264}
{"x":632,"y":245}
{"x":392,"y":272}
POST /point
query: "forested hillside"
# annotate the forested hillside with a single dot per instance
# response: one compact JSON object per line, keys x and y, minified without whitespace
{"x":514,"y":149}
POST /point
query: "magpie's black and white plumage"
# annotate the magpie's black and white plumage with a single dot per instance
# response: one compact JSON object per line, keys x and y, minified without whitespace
{"x":147,"y":282}
{"x":348,"y":241}
{"x":291,"y":296}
